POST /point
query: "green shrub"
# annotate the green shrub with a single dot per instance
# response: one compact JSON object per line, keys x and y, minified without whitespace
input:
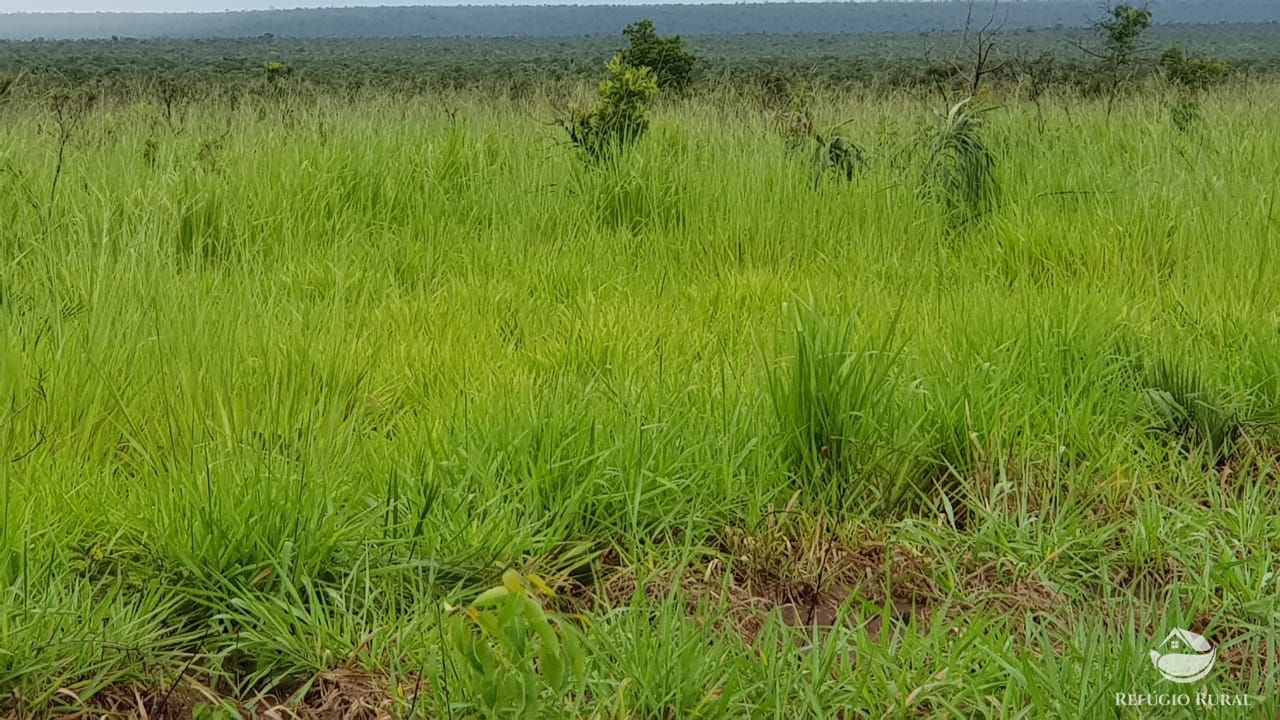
{"x":620,"y":115}
{"x":1191,"y":73}
{"x":512,"y":656}
{"x":1190,"y":76}
{"x":276,"y":71}
{"x":671,"y":63}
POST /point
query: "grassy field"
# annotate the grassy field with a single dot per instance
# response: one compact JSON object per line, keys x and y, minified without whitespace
{"x":286,"y":387}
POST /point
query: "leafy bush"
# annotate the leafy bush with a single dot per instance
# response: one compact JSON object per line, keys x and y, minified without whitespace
{"x":1189,"y":75}
{"x":1194,"y":73}
{"x":620,"y":115}
{"x":276,"y":71}
{"x":671,"y":63}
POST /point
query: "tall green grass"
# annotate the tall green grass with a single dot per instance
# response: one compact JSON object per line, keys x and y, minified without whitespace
{"x":275,"y":386}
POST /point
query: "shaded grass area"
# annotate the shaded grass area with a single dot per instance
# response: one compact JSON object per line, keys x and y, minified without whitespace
{"x":280,"y":385}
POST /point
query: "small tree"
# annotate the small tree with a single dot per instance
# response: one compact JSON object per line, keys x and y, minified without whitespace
{"x":620,"y":115}
{"x":984,"y":45}
{"x":172,"y":96}
{"x":671,"y":63}
{"x":1121,"y":29}
{"x":1191,"y":73}
{"x":69,"y":111}
{"x":515,"y":658}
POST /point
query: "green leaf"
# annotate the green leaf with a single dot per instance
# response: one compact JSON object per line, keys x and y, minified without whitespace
{"x":552,"y":666}
{"x":492,"y":596}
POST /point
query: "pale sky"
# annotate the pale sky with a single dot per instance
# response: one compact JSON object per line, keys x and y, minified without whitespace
{"x":9,"y":6}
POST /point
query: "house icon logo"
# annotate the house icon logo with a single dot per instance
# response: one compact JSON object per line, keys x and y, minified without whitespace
{"x":1184,"y":656}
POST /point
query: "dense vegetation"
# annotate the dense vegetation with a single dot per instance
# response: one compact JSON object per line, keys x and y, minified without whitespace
{"x":521,"y":66}
{"x":772,"y":394}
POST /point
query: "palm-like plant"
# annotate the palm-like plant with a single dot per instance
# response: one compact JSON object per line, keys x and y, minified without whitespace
{"x":960,"y":171}
{"x":1188,"y":409}
{"x":837,"y":155}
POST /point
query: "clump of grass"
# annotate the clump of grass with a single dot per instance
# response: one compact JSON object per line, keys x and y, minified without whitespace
{"x":202,"y":234}
{"x":831,"y":155}
{"x":633,"y":194}
{"x":960,"y":168}
{"x":841,"y":415}
{"x":1188,"y":409}
{"x":837,"y":156}
{"x":7,"y":83}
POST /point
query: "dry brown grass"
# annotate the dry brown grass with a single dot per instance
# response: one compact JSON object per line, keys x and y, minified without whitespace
{"x":813,"y":574}
{"x":338,"y":694}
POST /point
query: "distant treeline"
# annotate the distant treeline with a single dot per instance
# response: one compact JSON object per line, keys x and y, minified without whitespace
{"x":518,"y":65}
{"x":598,"y":20}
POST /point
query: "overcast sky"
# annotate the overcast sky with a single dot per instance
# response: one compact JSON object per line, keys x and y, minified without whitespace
{"x":219,"y":5}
